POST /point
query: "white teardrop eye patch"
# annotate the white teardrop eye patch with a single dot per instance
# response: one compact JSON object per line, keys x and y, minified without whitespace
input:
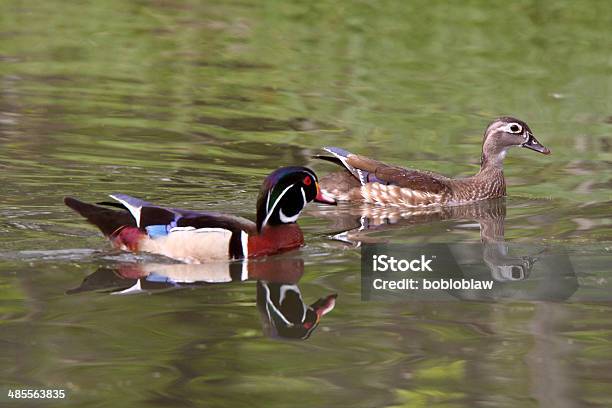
{"x":513,"y":128}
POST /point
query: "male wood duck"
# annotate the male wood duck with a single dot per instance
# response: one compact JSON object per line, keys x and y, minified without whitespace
{"x":195,"y":237}
{"x":368,"y":180}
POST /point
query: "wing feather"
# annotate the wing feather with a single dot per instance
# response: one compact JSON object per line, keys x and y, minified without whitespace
{"x":368,"y":170}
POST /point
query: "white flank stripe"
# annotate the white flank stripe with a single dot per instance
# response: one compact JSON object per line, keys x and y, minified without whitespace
{"x":244,"y":240}
{"x":205,"y":230}
{"x":176,"y":229}
{"x":198,"y":230}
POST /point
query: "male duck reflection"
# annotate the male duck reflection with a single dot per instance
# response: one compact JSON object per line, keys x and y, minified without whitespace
{"x":283,"y":312}
{"x":371,"y":181}
{"x":195,"y":237}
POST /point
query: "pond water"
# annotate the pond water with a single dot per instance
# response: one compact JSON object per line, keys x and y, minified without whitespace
{"x":191,"y":104}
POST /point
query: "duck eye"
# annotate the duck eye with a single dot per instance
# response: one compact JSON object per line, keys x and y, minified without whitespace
{"x":514,"y":128}
{"x":307,"y":181}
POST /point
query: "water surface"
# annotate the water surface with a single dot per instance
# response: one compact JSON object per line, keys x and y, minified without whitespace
{"x":192,"y":104}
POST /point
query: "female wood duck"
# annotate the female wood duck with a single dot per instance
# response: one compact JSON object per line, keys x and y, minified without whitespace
{"x":195,"y":237}
{"x":375,"y":182}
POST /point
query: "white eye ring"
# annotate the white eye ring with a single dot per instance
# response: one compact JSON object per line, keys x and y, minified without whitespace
{"x":513,"y":128}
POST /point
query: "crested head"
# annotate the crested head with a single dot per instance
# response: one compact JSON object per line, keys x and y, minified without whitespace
{"x":503,"y":133}
{"x":285,"y":193}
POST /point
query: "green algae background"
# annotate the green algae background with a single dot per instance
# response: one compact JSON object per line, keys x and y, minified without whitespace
{"x":192,"y":103}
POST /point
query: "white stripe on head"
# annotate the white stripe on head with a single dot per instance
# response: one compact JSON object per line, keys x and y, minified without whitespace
{"x":271,"y":211}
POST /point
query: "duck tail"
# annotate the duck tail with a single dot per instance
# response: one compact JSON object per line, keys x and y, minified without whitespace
{"x":341,"y":157}
{"x":331,"y":159}
{"x":107,"y":220}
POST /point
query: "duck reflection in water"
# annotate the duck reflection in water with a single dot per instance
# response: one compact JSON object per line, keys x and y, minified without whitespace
{"x":509,"y":265}
{"x":283,"y":312}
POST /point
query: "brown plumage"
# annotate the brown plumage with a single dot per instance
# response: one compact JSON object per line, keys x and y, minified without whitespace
{"x":372,"y":181}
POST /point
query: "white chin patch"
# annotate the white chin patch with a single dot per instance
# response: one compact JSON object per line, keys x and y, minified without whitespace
{"x":286,"y":220}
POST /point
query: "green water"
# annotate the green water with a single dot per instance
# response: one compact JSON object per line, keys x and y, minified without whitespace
{"x":193,"y":103}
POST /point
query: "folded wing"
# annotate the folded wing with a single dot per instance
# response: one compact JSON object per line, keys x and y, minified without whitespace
{"x":367,"y":170}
